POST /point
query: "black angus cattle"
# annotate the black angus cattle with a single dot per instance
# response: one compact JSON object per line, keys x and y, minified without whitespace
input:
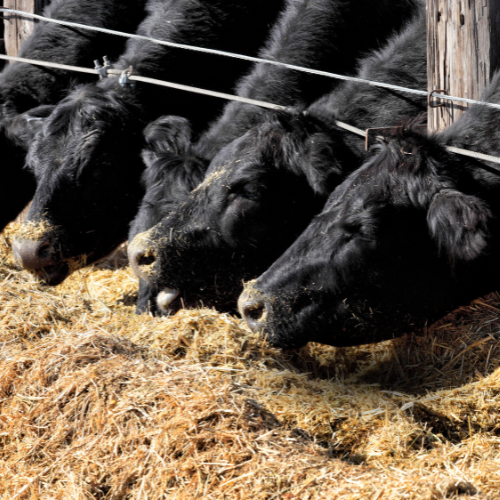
{"x":262,"y":190}
{"x":24,"y":87}
{"x":86,"y":157}
{"x":323,"y":34}
{"x":173,"y":170}
{"x":404,"y":240}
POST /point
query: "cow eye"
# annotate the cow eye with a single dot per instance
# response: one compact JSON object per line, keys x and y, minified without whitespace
{"x":352,"y":229}
{"x":358,"y":231}
{"x":250,"y":191}
{"x":245,"y":191}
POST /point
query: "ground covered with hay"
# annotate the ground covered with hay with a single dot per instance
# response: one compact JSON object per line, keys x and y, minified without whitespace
{"x":98,"y":403}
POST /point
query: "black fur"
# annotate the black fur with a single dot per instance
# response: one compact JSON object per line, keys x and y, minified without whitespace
{"x":308,"y":33}
{"x":262,"y":190}
{"x":24,"y":87}
{"x":319,"y":34}
{"x":172,"y":172}
{"x":404,"y":240}
{"x":87,"y":156}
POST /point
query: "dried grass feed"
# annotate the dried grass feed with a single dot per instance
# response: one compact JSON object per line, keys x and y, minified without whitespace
{"x":34,"y":230}
{"x":98,"y":403}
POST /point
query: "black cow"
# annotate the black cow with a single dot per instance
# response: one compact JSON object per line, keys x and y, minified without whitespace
{"x":404,"y":240}
{"x":263,"y":189}
{"x":86,"y":158}
{"x":173,"y":170}
{"x":24,"y":87}
{"x":318,"y":34}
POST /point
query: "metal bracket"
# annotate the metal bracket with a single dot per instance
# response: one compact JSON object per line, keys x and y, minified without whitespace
{"x":124,"y":80}
{"x":372,"y":134}
{"x":103,"y":70}
{"x":430,"y":103}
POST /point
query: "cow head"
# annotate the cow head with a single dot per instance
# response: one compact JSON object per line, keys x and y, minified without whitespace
{"x":258,"y":194}
{"x":172,"y":172}
{"x":87,"y":165}
{"x":398,"y":244}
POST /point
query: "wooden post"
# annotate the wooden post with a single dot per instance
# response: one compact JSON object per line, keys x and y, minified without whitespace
{"x":463,"y":50}
{"x":18,"y":28}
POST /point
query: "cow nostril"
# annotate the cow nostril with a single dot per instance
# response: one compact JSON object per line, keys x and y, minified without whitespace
{"x":33,"y":254}
{"x":255,"y":315}
{"x":145,"y":259}
{"x":253,"y":309}
{"x":255,"y":312}
{"x":44,"y":251}
{"x":142,"y":260}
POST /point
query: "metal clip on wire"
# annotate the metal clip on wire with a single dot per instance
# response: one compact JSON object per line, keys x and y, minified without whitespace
{"x":103,"y":70}
{"x":432,"y":95}
{"x":124,"y":80}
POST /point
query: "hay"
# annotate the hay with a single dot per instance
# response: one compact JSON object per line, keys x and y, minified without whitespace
{"x":34,"y":230}
{"x":37,"y":231}
{"x":216,"y":174}
{"x":98,"y":403}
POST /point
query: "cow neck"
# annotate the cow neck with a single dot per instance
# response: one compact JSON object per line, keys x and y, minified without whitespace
{"x":130,"y":98}
{"x":328,"y":111}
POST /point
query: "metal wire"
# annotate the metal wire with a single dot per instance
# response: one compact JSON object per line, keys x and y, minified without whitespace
{"x":163,"y":83}
{"x":49,"y":64}
{"x":144,"y":79}
{"x":250,"y":59}
{"x":222,"y":95}
{"x":474,"y":154}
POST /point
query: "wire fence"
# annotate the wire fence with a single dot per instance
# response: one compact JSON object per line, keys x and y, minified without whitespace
{"x":250,"y":59}
{"x":231,"y":97}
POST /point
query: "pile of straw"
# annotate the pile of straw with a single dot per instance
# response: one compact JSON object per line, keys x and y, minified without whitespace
{"x":98,"y":403}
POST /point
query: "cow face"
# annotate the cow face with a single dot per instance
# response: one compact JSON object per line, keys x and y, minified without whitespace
{"x":258,"y":195}
{"x":87,"y":166}
{"x":172,"y":172}
{"x":398,"y":244}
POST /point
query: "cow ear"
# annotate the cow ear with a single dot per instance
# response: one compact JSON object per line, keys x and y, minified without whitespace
{"x":25,"y":126}
{"x":323,"y":168}
{"x":459,"y":224}
{"x":168,"y":134}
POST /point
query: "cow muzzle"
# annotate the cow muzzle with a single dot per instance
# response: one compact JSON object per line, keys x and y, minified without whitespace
{"x":253,"y":309}
{"x":39,"y":257}
{"x":142,"y":257}
{"x":32,"y":254}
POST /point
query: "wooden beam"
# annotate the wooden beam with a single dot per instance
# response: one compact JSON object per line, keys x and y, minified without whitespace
{"x":18,"y":28}
{"x":463,"y":50}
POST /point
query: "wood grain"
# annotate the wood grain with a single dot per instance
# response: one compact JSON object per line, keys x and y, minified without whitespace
{"x":18,"y":28}
{"x":463,"y":39}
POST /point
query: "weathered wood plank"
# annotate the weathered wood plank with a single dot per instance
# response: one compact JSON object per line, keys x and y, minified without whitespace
{"x":463,"y":39}
{"x":18,"y":28}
